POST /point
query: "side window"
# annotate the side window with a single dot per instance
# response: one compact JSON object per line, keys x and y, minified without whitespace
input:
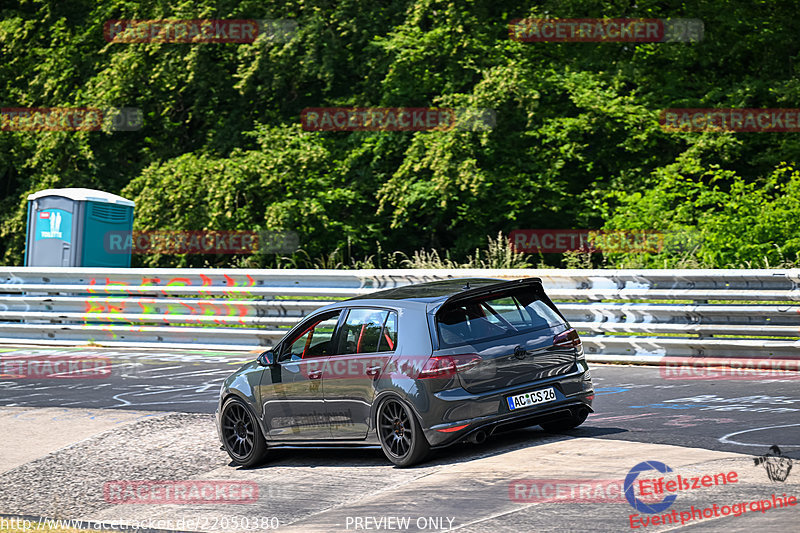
{"x":388,"y":338}
{"x":368,"y":331}
{"x":315,"y":339}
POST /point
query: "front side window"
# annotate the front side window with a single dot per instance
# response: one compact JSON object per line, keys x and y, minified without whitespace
{"x":314,"y":339}
{"x":369,"y":331}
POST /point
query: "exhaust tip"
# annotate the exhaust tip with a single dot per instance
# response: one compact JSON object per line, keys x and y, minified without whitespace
{"x":479,"y":437}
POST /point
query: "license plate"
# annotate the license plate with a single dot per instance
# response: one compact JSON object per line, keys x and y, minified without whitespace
{"x":531,"y":398}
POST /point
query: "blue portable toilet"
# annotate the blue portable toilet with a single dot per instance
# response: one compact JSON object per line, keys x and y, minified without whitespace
{"x":71,"y":227}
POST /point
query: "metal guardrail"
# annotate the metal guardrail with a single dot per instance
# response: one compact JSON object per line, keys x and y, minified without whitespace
{"x":633,"y":313}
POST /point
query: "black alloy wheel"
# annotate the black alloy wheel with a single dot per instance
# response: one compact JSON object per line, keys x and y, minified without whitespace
{"x":400,"y":434}
{"x":241,"y":435}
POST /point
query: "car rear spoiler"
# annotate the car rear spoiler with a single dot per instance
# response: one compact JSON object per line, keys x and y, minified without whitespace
{"x":494,"y":287}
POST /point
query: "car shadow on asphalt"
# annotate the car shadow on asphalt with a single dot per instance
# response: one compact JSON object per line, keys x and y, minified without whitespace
{"x":458,"y":453}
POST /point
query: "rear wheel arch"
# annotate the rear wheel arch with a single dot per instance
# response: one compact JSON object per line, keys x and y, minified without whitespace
{"x":383,"y":397}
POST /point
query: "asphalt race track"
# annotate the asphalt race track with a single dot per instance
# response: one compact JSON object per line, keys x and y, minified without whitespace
{"x":150,"y":419}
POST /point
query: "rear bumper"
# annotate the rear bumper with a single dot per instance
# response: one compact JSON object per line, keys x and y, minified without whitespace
{"x":489,"y":412}
{"x":506,"y":423}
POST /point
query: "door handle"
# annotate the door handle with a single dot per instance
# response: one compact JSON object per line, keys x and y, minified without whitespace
{"x":373,"y":370}
{"x":315,"y":374}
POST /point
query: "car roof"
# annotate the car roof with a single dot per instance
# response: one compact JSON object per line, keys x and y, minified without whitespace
{"x":432,"y":292}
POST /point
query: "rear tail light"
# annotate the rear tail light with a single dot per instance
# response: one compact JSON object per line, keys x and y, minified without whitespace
{"x":442,"y":366}
{"x":568,"y":339}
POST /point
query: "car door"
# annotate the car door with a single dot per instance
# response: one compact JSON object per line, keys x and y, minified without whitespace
{"x":366,"y":342}
{"x":292,"y":389}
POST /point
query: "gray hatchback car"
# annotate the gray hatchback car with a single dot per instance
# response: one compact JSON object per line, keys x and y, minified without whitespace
{"x":413,"y":369}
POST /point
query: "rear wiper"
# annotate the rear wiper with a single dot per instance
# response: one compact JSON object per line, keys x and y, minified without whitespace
{"x":500,"y":317}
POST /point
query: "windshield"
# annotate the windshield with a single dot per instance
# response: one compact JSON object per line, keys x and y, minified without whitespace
{"x":494,"y":316}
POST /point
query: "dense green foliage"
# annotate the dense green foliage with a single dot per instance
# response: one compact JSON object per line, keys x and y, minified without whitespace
{"x":577,"y":142}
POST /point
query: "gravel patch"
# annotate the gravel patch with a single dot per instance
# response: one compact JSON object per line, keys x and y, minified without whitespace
{"x":68,"y":483}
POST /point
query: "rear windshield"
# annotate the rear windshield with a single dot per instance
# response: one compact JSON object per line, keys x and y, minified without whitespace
{"x":494,"y":316}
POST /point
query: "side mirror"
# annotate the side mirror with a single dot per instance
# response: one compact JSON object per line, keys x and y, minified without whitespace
{"x":266,"y":358}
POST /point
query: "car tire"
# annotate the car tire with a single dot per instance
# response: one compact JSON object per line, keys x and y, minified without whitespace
{"x":566,"y":424}
{"x":241,"y":434}
{"x":400,"y":433}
